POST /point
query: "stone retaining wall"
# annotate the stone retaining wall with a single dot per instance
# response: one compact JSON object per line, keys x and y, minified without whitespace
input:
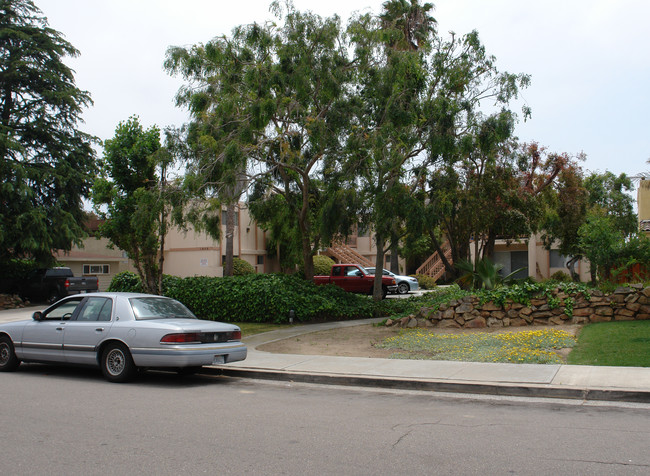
{"x":625,"y":304}
{"x":10,"y":301}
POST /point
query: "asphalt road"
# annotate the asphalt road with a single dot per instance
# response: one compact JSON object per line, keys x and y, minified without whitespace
{"x":72,"y":422}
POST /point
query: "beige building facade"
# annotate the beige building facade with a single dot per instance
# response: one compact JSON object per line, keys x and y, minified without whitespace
{"x":189,"y":253}
{"x":96,"y":258}
{"x":643,"y":204}
{"x":531,"y":254}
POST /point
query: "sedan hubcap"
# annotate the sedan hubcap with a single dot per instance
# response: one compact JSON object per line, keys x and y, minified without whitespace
{"x":115,"y":362}
{"x":4,"y":354}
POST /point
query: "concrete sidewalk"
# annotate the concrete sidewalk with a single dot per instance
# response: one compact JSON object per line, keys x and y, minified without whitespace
{"x":629,"y":384}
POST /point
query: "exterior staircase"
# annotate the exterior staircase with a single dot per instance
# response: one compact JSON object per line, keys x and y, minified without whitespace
{"x":344,"y":254}
{"x":434,"y":266}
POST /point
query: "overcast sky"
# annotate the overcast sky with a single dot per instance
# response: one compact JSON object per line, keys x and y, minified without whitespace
{"x":589,"y":61}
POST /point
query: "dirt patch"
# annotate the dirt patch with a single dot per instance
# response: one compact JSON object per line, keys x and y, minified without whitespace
{"x":359,"y":341}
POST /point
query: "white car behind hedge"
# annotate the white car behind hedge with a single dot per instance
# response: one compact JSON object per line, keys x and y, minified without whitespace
{"x":405,"y":284}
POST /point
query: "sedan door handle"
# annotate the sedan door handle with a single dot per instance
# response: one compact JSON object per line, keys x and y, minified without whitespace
{"x":100,"y":329}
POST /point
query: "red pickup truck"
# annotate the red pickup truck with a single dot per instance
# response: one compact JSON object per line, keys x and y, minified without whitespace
{"x":355,"y":279}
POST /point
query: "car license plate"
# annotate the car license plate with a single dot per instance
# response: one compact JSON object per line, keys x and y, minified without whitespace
{"x":218,"y":359}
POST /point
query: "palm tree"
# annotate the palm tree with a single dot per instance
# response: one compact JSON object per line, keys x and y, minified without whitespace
{"x":408,"y":22}
{"x":642,"y":175}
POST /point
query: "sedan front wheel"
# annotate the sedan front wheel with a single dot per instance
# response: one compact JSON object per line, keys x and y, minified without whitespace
{"x":117,"y":363}
{"x":403,"y":288}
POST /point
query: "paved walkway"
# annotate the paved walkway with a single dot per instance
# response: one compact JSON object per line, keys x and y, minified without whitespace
{"x":631,"y":384}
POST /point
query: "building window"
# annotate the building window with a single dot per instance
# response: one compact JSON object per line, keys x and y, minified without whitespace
{"x":97,"y":269}
{"x":224,"y":217}
{"x":260,"y":259}
{"x":557,"y":260}
{"x":511,"y":261}
{"x":362,"y":230}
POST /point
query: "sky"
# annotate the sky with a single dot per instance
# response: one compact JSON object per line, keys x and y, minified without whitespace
{"x":589,"y":61}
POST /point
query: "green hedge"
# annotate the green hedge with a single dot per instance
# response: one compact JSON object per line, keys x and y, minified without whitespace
{"x":256,"y":297}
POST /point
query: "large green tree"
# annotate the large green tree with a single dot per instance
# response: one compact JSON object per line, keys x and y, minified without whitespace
{"x":219,"y":133}
{"x":130,"y":197}
{"x":611,"y":194}
{"x":387,"y":133}
{"x":426,"y":143}
{"x":46,"y":164}
{"x":566,"y":209}
{"x":470,"y":139}
{"x":275,"y":103}
{"x":590,"y":216}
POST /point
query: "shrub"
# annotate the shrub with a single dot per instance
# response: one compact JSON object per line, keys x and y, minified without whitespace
{"x":396,"y":308}
{"x":426,"y":282}
{"x":257,"y":297}
{"x":323,"y":265}
{"x":241,"y":267}
{"x":523,"y":292}
{"x":127,"y":282}
{"x":13,"y":271}
{"x":484,"y":274}
{"x":560,"y":277}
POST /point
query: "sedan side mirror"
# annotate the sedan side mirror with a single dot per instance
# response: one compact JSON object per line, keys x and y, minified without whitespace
{"x":37,"y":316}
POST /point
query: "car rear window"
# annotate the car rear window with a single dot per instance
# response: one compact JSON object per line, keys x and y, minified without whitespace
{"x":145,"y":308}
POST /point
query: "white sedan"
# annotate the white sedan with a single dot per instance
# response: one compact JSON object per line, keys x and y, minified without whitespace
{"x":404,"y":283}
{"x":120,"y":332}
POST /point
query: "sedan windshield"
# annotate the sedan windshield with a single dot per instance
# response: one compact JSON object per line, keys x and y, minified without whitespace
{"x":145,"y":308}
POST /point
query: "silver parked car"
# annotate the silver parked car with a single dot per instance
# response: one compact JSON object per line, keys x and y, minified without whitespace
{"x":404,"y":283}
{"x":120,"y":332}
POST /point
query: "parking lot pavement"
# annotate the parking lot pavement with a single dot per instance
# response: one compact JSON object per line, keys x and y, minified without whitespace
{"x":419,"y":292}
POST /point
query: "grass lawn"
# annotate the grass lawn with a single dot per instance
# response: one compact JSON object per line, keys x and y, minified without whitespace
{"x":625,"y":343}
{"x":525,"y":347}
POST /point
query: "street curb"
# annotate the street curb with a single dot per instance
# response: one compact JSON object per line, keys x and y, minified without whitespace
{"x":511,"y":390}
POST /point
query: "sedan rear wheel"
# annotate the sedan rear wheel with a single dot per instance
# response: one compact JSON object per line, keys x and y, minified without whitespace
{"x":403,"y":288}
{"x":8,"y":360}
{"x":117,"y":363}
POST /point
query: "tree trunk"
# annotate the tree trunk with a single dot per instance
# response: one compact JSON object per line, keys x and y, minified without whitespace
{"x":448,"y":266}
{"x":307,"y":257}
{"x":377,"y":291}
{"x":571,"y":266}
{"x":161,"y":256}
{"x":305,"y":231}
{"x":394,"y":256}
{"x":163,"y":226}
{"x":488,"y":250}
{"x":230,"y":238}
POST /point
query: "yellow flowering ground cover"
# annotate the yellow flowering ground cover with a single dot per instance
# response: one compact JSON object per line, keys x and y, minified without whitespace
{"x":530,"y":347}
